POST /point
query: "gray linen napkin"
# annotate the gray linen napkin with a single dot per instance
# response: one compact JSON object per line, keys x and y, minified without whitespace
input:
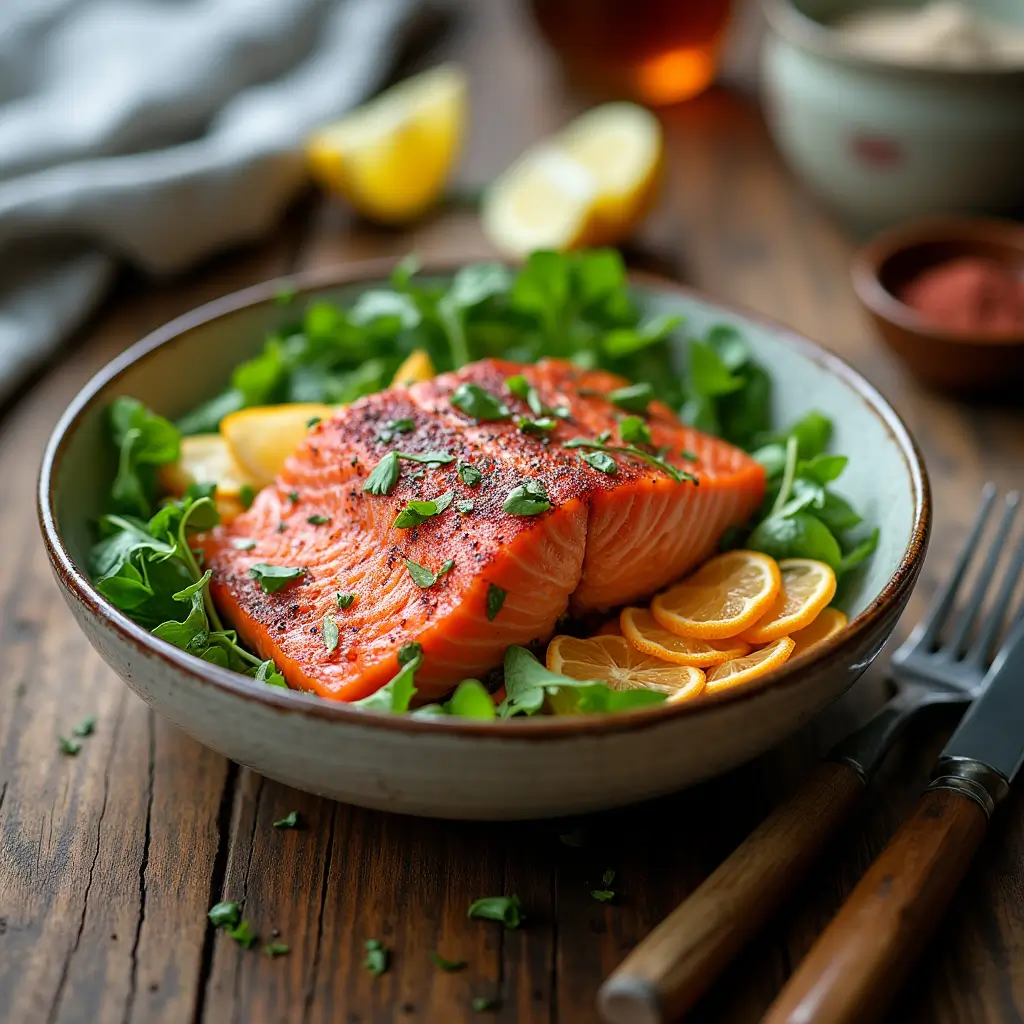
{"x":158,"y":131}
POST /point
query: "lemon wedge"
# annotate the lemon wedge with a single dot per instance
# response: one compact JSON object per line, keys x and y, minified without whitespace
{"x":261,"y":438}
{"x":207,"y":459}
{"x":589,"y":185}
{"x":417,"y":366}
{"x":392,"y":156}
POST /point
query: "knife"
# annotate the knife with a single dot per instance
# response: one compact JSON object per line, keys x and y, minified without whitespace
{"x":859,"y":961}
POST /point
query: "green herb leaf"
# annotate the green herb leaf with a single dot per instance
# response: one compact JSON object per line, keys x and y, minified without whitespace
{"x":608,"y":877}
{"x":318,"y":520}
{"x":293,"y":497}
{"x":392,"y":427}
{"x":464,"y":507}
{"x":86,"y":727}
{"x":409,"y":651}
{"x":69,"y":747}
{"x":482,"y":1004}
{"x":800,"y":535}
{"x":267,"y":673}
{"x":290,"y":820}
{"x":859,"y":553}
{"x":243,"y":544}
{"x":273,"y":578}
{"x":330,"y":633}
{"x":602,"y":895}
{"x":530,"y":498}
{"x":518,"y":385}
{"x":634,"y":398}
{"x":395,"y":695}
{"x":633,"y":430}
{"x":376,"y":961}
{"x":538,"y":427}
{"x":224,"y":915}
{"x":417,"y":512}
{"x":345,"y":601}
{"x":246,"y":496}
{"x":312,"y":422}
{"x":422,"y":576}
{"x":495,"y":600}
{"x":600,"y":461}
{"x":383,"y":476}
{"x":144,"y":441}
{"x":447,"y":965}
{"x":428,"y":458}
{"x":276,"y":949}
{"x":244,"y":934}
{"x":470,"y":475}
{"x":633,"y":452}
{"x":471,"y":700}
{"x":505,"y":909}
{"x":474,"y":401}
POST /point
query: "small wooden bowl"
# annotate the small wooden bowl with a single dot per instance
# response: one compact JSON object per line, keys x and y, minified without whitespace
{"x":951,"y":361}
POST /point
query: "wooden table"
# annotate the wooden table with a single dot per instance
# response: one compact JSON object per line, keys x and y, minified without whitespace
{"x":109,"y":861}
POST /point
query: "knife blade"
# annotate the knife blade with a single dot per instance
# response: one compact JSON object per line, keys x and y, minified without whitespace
{"x":987,"y":749}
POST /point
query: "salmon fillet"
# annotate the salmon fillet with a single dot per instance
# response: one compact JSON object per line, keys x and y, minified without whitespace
{"x":607,"y":539}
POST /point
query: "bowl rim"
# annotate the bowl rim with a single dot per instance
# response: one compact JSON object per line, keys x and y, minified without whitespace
{"x":791,"y":24}
{"x":78,"y":587}
{"x":870,"y":259}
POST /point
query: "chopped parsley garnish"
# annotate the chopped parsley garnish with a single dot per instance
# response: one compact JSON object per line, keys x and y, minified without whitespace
{"x":312,"y":422}
{"x":447,"y":965}
{"x":474,"y":401}
{"x":330,"y":631}
{"x":273,"y":578}
{"x":470,"y":475}
{"x":506,"y":909}
{"x":293,"y":497}
{"x":383,"y":476}
{"x":689,"y":456}
{"x":376,"y":961}
{"x":276,"y":949}
{"x":69,"y":747}
{"x":518,"y":385}
{"x":600,"y":461}
{"x":318,"y":520}
{"x":464,"y":507}
{"x":282,"y":526}
{"x":530,"y":498}
{"x":541,"y":426}
{"x":243,"y":544}
{"x":634,"y":398}
{"x":290,"y":820}
{"x":246,"y":496}
{"x":224,"y":915}
{"x":631,"y":451}
{"x":409,"y":651}
{"x":495,"y":599}
{"x":602,"y":895}
{"x":633,"y":430}
{"x":481,"y":1004}
{"x":244,"y":934}
{"x":267,"y":673}
{"x":417,"y":512}
{"x":422,"y":576}
{"x":345,"y":601}
{"x":429,"y":458}
{"x":85,"y":727}
{"x":393,"y":427}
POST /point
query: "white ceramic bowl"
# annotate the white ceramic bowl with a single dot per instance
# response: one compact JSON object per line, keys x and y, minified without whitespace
{"x":883,"y":142}
{"x":459,"y":768}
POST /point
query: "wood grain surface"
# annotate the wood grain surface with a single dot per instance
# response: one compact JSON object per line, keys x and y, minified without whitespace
{"x":109,"y":860}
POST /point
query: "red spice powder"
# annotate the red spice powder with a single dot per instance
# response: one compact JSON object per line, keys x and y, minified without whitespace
{"x":970,"y":294}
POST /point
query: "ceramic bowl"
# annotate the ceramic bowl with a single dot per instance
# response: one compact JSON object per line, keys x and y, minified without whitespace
{"x":883,"y":142}
{"x":948,"y":360}
{"x":459,"y":768}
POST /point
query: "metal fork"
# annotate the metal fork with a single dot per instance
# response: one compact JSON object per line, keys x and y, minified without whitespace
{"x":937,"y":664}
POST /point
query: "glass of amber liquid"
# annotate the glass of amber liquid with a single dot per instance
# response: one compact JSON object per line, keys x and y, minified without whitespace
{"x":655,"y":51}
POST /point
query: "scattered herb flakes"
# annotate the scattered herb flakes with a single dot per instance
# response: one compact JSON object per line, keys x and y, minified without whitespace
{"x":243,"y":543}
{"x":383,"y":476}
{"x":244,"y":934}
{"x":312,"y":422}
{"x":634,"y":398}
{"x":417,"y":512}
{"x":409,"y":651}
{"x":518,"y":385}
{"x":689,"y":456}
{"x":318,"y":520}
{"x":470,"y":475}
{"x":86,"y":727}
{"x":224,"y":915}
{"x":481,"y":1004}
{"x":293,"y":497}
{"x":273,"y":578}
{"x":631,"y":451}
{"x":537,"y":427}
{"x":392,"y":427}
{"x":530,"y":498}
{"x":447,"y":965}
{"x":427,"y":458}
{"x":601,"y":461}
{"x":276,"y":949}
{"x":608,"y":877}
{"x":422,"y":576}
{"x":282,"y":526}
{"x":290,"y":820}
{"x":633,"y":430}
{"x":506,"y":909}
{"x":464,"y":507}
{"x":246,"y":496}
{"x":329,"y":629}
{"x":475,"y":401}
{"x":495,"y":599}
{"x":345,"y":601}
{"x":602,"y":895}
{"x":376,"y":961}
{"x":69,"y":747}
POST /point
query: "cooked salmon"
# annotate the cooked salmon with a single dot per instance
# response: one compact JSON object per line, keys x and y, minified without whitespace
{"x":607,"y":539}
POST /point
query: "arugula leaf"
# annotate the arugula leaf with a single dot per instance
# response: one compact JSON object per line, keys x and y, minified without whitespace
{"x":495,"y":601}
{"x":474,"y":401}
{"x":507,"y":910}
{"x":273,"y":578}
{"x":530,"y":498}
{"x":422,"y":576}
{"x":383,"y":476}
{"x":396,"y":694}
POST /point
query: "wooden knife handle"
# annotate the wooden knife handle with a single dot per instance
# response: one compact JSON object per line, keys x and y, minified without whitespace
{"x":857,"y":964}
{"x":673,"y":966}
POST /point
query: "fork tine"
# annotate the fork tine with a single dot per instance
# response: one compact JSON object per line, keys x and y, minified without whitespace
{"x":981,"y":649}
{"x":932,"y":623}
{"x":967,"y":616}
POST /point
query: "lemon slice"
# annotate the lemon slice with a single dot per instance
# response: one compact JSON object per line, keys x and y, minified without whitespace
{"x":415,"y":367}
{"x":207,"y":459}
{"x":392,"y":157}
{"x":807,"y":587}
{"x":751,"y":666}
{"x":620,"y":144}
{"x":545,"y":201}
{"x":642,"y":630}
{"x":830,"y":622}
{"x":261,"y":438}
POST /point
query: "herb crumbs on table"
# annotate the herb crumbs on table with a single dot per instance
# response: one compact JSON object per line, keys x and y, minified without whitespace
{"x":290,"y":820}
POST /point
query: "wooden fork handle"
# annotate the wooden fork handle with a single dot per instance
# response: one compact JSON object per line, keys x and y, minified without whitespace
{"x":857,"y":964}
{"x":673,"y":966}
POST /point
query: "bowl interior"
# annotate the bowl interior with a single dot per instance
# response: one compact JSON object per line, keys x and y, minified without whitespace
{"x":1009,"y":12}
{"x":192,"y":358}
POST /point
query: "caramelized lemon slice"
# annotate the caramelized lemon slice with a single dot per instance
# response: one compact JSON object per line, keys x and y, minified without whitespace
{"x":261,"y":438}
{"x":825,"y":626}
{"x":722,"y":598}
{"x":392,"y":157}
{"x":622,"y":666}
{"x":750,"y":666}
{"x":643,"y":631}
{"x":807,"y":587}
